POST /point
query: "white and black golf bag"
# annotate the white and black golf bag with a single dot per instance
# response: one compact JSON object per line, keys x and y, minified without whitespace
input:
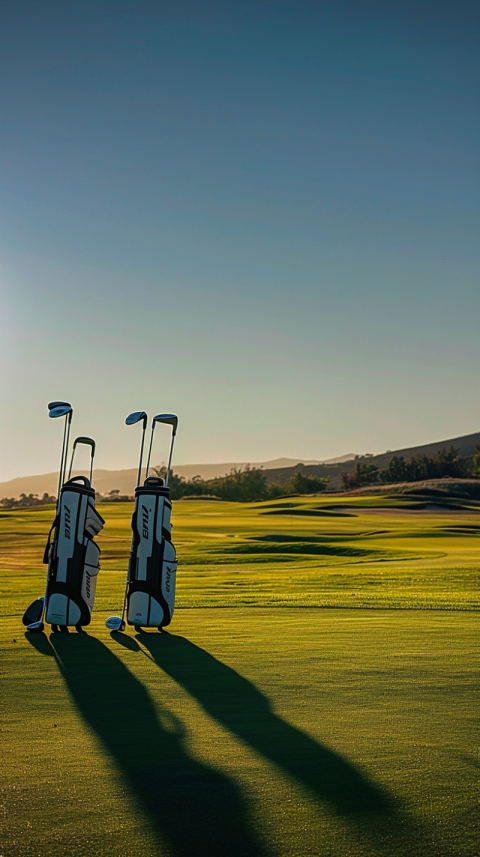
{"x":153,"y":566}
{"x":72,"y":555}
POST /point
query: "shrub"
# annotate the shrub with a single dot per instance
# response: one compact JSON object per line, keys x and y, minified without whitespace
{"x":242,"y":486}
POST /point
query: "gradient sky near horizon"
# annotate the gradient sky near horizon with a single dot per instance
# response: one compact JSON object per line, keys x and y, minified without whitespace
{"x":262,"y":216}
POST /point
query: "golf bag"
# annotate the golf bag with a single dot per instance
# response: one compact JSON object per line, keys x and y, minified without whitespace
{"x":152,"y":566}
{"x":72,"y":555}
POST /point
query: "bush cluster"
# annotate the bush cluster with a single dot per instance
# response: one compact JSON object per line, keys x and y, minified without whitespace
{"x":242,"y":486}
{"x":26,"y":500}
{"x":447,"y":462}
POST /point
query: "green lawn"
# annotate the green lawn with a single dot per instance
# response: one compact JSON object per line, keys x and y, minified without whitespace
{"x":251,"y":728}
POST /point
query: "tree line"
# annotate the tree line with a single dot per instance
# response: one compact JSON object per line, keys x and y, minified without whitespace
{"x":447,"y":462}
{"x":242,"y":486}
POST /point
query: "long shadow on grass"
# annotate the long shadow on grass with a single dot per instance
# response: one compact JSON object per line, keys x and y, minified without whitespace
{"x":238,"y":705}
{"x":195,"y":809}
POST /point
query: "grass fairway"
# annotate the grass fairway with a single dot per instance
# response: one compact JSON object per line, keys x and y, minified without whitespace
{"x":251,"y":728}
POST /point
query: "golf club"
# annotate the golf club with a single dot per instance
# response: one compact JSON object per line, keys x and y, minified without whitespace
{"x":168,"y":419}
{"x":33,"y":615}
{"x":89,"y":442}
{"x":131,"y":420}
{"x":62,"y":409}
{"x":117,"y":623}
{"x":36,"y":626}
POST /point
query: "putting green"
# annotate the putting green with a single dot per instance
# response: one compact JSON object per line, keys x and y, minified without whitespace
{"x":252,"y":729}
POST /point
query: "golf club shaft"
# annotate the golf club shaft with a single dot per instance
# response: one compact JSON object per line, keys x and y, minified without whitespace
{"x":61,"y":460}
{"x":128,"y":581}
{"x":139,"y":477}
{"x":71,"y":463}
{"x":170,"y":460}
{"x":150,"y":450}
{"x":66,"y":447}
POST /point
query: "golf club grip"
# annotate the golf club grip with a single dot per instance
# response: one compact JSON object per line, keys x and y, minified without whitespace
{"x":87,"y":440}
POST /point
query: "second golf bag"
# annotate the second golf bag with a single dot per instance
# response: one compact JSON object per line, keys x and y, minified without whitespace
{"x":152,"y":568}
{"x":71,"y":553}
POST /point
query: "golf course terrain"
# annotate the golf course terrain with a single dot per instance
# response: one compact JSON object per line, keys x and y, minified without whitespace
{"x":316,"y":693}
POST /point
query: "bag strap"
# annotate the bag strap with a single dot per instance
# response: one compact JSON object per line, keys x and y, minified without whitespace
{"x":47,"y":546}
{"x":135,"y":544}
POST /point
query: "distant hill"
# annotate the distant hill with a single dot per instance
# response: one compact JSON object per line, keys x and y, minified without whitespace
{"x":465,"y":444}
{"x":124,"y":481}
{"x":210,"y":471}
{"x":277,"y":470}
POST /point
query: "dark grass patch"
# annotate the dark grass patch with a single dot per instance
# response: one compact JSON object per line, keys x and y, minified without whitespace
{"x":325,"y":539}
{"x":461,"y":529}
{"x":311,"y":513}
{"x":279,"y":506}
{"x":382,"y":502}
{"x":308,"y":547}
{"x":209,"y":558}
{"x":436,"y":533}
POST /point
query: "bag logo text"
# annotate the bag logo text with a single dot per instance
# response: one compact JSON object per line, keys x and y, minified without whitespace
{"x":145,"y":514}
{"x":168,"y":577}
{"x":67,"y":522}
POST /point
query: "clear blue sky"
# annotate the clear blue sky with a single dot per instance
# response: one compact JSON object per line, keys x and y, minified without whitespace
{"x":261,"y":216}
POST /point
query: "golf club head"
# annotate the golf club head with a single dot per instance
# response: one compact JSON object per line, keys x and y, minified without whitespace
{"x":60,"y":411}
{"x":52,"y":405}
{"x":34,"y":613}
{"x":35,"y":626}
{"x":168,"y":419}
{"x":136,"y":417}
{"x":115,"y":623}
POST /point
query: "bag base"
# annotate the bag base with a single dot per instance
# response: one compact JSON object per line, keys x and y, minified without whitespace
{"x":145,"y":611}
